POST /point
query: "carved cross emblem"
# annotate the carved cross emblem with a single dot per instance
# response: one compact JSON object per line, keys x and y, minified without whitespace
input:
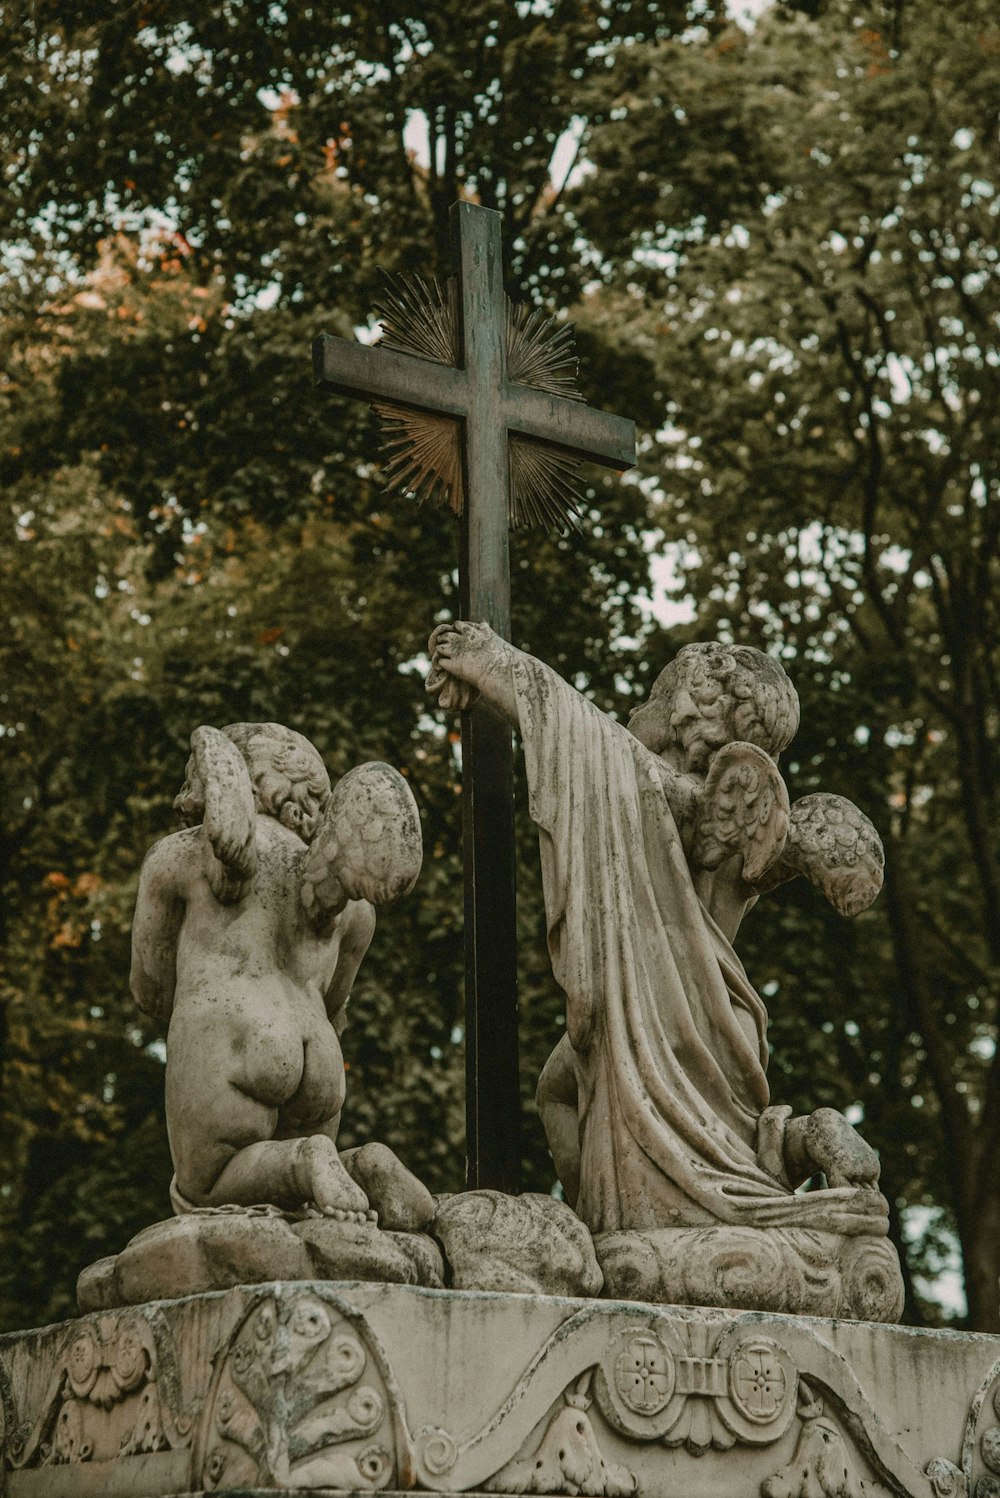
{"x":644,"y":1377}
{"x":758,"y":1384}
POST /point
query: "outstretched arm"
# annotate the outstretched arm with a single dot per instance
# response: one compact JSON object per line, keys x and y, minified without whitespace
{"x":471,"y":660}
{"x":475,"y":655}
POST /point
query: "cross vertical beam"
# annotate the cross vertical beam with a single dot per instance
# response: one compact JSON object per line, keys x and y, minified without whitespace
{"x":487,"y":408}
{"x":492,"y":1093}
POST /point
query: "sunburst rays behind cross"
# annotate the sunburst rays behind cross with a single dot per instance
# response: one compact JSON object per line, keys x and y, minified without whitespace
{"x":422,"y":450}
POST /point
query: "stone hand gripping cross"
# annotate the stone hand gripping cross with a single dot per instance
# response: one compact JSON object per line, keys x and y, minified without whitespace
{"x":250,"y":927}
{"x":464,"y":657}
{"x":741,"y":840}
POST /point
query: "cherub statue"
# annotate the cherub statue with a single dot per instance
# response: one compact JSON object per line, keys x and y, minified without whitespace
{"x":250,"y":927}
{"x":655,"y":841}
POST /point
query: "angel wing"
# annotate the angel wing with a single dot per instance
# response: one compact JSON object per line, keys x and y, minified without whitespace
{"x":229,"y":819}
{"x":834,"y":845}
{"x":368,"y":846}
{"x":744,"y":809}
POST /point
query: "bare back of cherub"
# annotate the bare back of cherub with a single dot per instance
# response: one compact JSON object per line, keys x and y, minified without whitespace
{"x":266,"y":942}
{"x":250,"y":926}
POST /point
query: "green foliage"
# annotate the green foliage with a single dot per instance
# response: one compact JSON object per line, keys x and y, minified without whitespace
{"x":193,"y":534}
{"x":783,"y":264}
{"x":814,"y":278}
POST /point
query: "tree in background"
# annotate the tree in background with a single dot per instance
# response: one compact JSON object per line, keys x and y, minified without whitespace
{"x":780,"y":259}
{"x":814,"y":273}
{"x":193,"y":534}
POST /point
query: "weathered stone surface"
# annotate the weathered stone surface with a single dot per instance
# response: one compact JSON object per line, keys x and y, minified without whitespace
{"x":215,"y":1251}
{"x":249,"y":929}
{"x":789,"y":1270}
{"x":361,"y":1251}
{"x":531,"y":1243}
{"x":250,"y":926}
{"x":821,"y":1468}
{"x":655,"y":841}
{"x":357,"y":1386}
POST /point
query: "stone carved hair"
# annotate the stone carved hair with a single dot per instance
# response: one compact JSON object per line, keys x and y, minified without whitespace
{"x":763,"y":705}
{"x":289,"y":780}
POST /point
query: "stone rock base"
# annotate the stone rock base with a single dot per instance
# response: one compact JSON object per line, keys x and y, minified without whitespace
{"x":478,"y":1240}
{"x":793,"y":1271}
{"x":217,"y":1250}
{"x":532,"y":1244}
{"x":322,"y":1388}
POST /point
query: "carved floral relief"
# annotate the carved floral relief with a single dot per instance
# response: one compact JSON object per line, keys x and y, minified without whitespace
{"x":568,"y":1459}
{"x":668,"y":1384}
{"x":114,"y":1392}
{"x":298,"y":1401}
{"x":690,"y":1385}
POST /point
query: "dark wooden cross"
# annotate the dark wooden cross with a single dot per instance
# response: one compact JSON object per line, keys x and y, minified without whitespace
{"x":478,"y":394}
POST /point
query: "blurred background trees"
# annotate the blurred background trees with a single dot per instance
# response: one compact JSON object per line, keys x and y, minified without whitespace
{"x":778,"y":243}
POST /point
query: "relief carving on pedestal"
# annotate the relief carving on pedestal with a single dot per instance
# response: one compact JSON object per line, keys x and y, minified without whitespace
{"x":8,"y":1424}
{"x":299,"y":1400}
{"x":678,"y":1382}
{"x":665,"y":1384}
{"x":114,"y":1392}
{"x":980,"y":1471}
{"x":821,"y":1467}
{"x":947,"y":1480}
{"x":568,"y":1458}
{"x":988,"y":1450}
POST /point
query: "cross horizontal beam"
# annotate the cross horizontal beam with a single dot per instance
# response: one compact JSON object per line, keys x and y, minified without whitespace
{"x":594,"y":435}
{"x":385,"y":374}
{"x":488,"y":409}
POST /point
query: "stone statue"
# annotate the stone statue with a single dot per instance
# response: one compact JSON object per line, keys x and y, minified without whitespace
{"x":250,"y":927}
{"x":655,"y":840}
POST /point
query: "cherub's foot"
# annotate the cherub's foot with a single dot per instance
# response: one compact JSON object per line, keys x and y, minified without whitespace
{"x":404,"y":1204}
{"x":825,"y":1141}
{"x":325,"y":1181}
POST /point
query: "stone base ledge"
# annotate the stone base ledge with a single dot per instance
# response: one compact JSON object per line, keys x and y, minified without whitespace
{"x":793,"y":1271}
{"x":347,"y":1387}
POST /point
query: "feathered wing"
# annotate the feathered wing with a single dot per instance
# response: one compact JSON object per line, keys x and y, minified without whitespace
{"x":367,"y":847}
{"x":834,"y":845}
{"x":744,"y":810}
{"x":229,"y":823}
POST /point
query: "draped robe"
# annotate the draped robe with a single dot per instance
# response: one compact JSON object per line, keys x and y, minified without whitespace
{"x":668,"y":1035}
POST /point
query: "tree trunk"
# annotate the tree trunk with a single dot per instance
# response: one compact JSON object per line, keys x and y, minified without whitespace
{"x":981,"y":1256}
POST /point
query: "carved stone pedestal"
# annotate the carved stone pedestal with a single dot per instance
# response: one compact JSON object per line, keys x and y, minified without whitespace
{"x":790,"y":1270}
{"x":349,"y":1387}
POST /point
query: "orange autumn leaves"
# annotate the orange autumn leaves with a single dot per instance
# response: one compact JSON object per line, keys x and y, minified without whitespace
{"x":68,"y":915}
